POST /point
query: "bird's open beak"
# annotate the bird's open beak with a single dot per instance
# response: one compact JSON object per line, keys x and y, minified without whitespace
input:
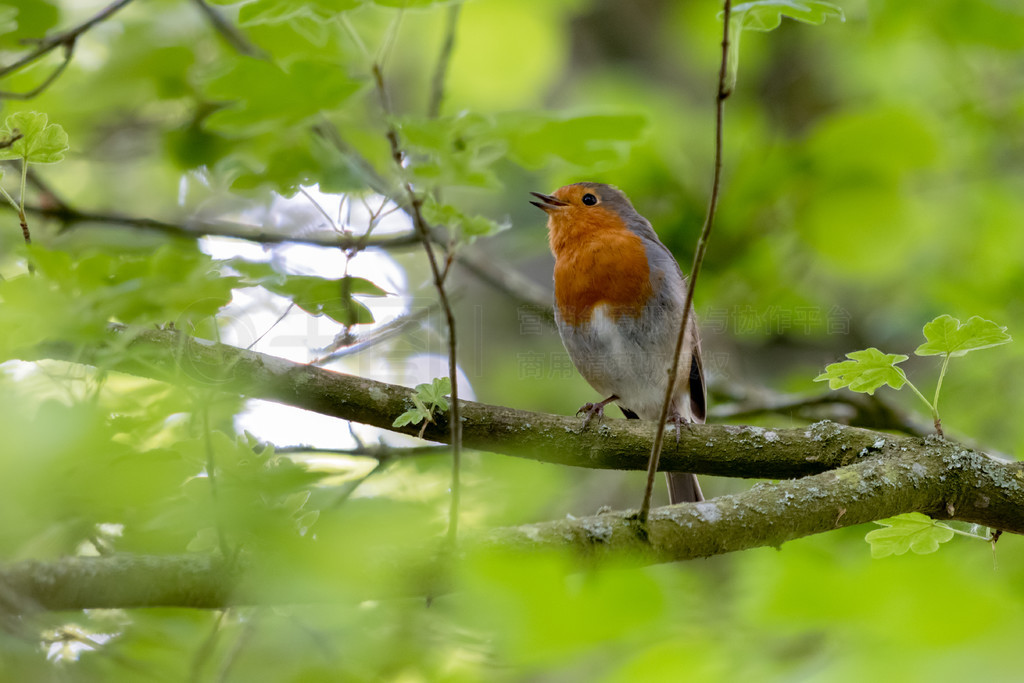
{"x":547,"y":203}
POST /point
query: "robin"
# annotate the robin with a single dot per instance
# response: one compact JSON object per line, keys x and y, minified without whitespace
{"x":619,"y":296}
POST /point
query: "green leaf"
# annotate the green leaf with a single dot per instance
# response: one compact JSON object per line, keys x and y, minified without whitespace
{"x":946,"y":335}
{"x":435,"y":392}
{"x":22,"y":21}
{"x":912,"y":531}
{"x":263,"y":97}
{"x":413,"y":416}
{"x":277,"y":11}
{"x":452,"y":150}
{"x":766,"y":15}
{"x":320,"y":296}
{"x":582,"y":140}
{"x":40,"y":143}
{"x":315,"y":295}
{"x":865,"y":371}
{"x":450,"y":217}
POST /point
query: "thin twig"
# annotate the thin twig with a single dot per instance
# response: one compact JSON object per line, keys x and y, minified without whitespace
{"x":4,"y":144}
{"x":359,"y":343}
{"x":47,"y":45}
{"x":228,"y":31}
{"x":381,"y":451}
{"x":444,"y":58}
{"x":194,"y":229}
{"x":69,"y":51}
{"x":698,"y":259}
{"x":416,"y":207}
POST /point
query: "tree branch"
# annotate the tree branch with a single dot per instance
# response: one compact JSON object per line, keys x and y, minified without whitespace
{"x":67,"y":38}
{"x":228,"y":31}
{"x":935,"y":477}
{"x":847,"y":476}
{"x":722,"y":450}
{"x":195,"y":228}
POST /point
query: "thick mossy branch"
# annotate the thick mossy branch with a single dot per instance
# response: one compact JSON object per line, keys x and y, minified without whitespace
{"x":722,"y":450}
{"x":126,"y":581}
{"x":937,"y":478}
{"x":833,"y":476}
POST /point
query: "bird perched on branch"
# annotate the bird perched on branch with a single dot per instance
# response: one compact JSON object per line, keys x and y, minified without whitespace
{"x":619,"y":297}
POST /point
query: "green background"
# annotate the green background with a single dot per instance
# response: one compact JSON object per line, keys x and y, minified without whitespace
{"x":873,"y":179}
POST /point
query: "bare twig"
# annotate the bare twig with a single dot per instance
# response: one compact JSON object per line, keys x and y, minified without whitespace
{"x":194,"y":228}
{"x":698,"y":259}
{"x":11,"y":140}
{"x":68,"y":37}
{"x":228,"y":31}
{"x":380,"y":451}
{"x":415,"y":204}
{"x":358,"y":343}
{"x":69,"y":51}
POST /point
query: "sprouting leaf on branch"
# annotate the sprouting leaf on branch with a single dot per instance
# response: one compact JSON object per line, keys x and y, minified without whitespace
{"x":912,"y":531}
{"x":766,"y":15}
{"x":866,"y":371}
{"x":40,"y":142}
{"x":947,"y":335}
{"x":428,"y":397}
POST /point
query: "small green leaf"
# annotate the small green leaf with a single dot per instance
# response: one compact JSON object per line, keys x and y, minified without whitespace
{"x":766,"y":15}
{"x":582,"y":140}
{"x":358,"y":285}
{"x":912,"y":531}
{"x":447,"y":216}
{"x":260,"y":96}
{"x":277,"y":11}
{"x":408,"y":417}
{"x":946,"y":335}
{"x":866,"y":371}
{"x":40,"y":143}
{"x":315,"y":295}
{"x":434,"y":393}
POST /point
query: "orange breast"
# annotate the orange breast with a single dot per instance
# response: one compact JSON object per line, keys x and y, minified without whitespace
{"x":597,"y":261}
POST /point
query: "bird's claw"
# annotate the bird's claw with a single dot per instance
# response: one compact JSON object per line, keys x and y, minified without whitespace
{"x":589,"y":410}
{"x":679,"y":420}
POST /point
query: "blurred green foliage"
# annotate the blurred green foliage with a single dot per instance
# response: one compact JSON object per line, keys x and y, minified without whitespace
{"x":873,"y":180}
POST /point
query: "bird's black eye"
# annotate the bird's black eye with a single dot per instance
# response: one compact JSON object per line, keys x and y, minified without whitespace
{"x":589,"y":199}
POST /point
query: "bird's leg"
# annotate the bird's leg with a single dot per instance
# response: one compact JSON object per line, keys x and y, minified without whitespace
{"x":589,"y":410}
{"x":678,"y":420}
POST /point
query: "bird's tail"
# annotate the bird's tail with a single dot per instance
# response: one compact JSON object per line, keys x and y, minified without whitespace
{"x":682,"y":486}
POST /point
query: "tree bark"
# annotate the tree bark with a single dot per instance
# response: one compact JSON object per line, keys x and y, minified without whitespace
{"x":833,"y":476}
